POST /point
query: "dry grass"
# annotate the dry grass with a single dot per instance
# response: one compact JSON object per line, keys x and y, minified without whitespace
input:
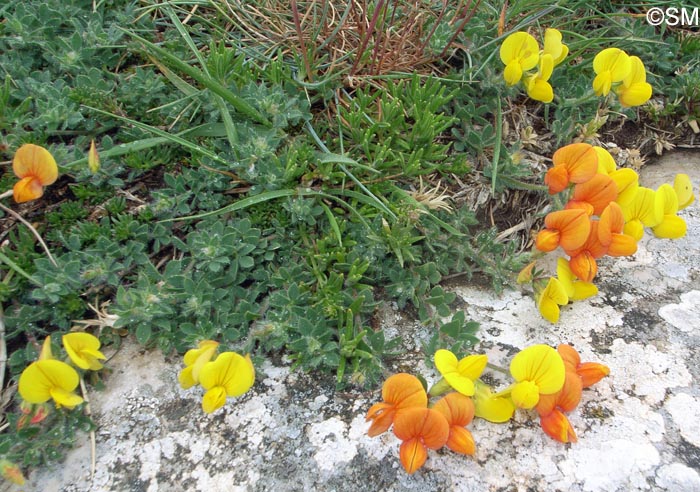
{"x":349,"y":37}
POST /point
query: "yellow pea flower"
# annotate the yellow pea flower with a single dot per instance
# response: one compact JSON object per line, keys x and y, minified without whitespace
{"x":194,"y":361}
{"x":644,"y":210}
{"x":634,"y":89}
{"x":606,"y":162}
{"x":50,"y":379}
{"x":627,"y":182}
{"x":538,"y":87}
{"x":36,"y":168}
{"x":230,"y":374}
{"x":610,"y":65}
{"x":497,"y":409}
{"x":671,"y":225}
{"x":684,"y":190}
{"x":519,"y":52}
{"x":575,"y":289}
{"x":83,"y":350}
{"x":551,"y":297}
{"x":537,"y":370}
{"x":554,"y":47}
{"x":459,"y":374}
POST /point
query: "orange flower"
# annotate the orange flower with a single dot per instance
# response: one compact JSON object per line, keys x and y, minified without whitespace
{"x":582,"y":260}
{"x":557,"y":426}
{"x":419,"y":429}
{"x":399,"y":392}
{"x":594,"y":194}
{"x":36,"y":168}
{"x":589,"y":372}
{"x":551,"y":408}
{"x":574,"y":163}
{"x":610,"y":232}
{"x":458,"y":410}
{"x":566,"y":228}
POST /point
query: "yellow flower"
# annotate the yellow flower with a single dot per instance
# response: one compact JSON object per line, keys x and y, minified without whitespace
{"x":230,"y":374}
{"x":671,"y":226}
{"x":551,"y":297}
{"x":627,"y":182}
{"x":11,"y":472}
{"x":488,"y":406}
{"x":606,"y":162}
{"x":610,"y":65}
{"x":36,"y":168}
{"x":684,"y":190}
{"x":538,"y":369}
{"x":644,"y":210}
{"x":83,"y":350}
{"x":194,"y":361}
{"x":46,"y":379}
{"x":554,"y":47}
{"x":519,"y":52}
{"x":575,"y":289}
{"x":460,"y":374}
{"x":538,"y":87}
{"x":634,"y":89}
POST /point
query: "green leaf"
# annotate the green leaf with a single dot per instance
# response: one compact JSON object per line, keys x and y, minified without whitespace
{"x":143,"y":334}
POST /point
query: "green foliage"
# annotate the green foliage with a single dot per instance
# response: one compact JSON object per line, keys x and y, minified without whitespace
{"x":239,"y":201}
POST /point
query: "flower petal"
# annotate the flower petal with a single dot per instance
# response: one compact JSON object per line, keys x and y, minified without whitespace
{"x":456,"y":408}
{"x":214,"y":399}
{"x":27,"y":189}
{"x":684,"y":190}
{"x":540,"y":364}
{"x":606,"y":162}
{"x":413,"y":455}
{"x":671,"y":227}
{"x":591,"y":372}
{"x":231,"y":371}
{"x":424,"y":423}
{"x":461,"y":441}
{"x":558,"y":427}
{"x":404,"y":390}
{"x":492,"y":408}
{"x":580,"y":159}
{"x":41,"y":377}
{"x":36,"y":161}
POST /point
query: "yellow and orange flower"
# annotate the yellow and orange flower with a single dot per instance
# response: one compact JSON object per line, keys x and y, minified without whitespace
{"x":399,"y":392}
{"x":589,"y":372}
{"x":566,"y":228}
{"x":420,"y":429}
{"x":36,"y":168}
{"x":574,"y":163}
{"x":458,"y":410}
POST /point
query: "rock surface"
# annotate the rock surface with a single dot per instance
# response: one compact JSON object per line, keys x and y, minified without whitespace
{"x":638,"y":429}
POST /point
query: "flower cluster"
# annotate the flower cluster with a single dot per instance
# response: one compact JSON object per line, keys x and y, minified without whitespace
{"x":625,"y":75}
{"x":51,"y":379}
{"x":545,"y":379}
{"x":229,"y":374}
{"x":520,"y":52}
{"x":605,"y":213}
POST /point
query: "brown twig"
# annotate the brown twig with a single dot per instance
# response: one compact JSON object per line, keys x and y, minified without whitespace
{"x":31,"y":228}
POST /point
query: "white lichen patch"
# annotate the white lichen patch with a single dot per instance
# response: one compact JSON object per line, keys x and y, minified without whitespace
{"x":678,"y":477}
{"x":685,"y":316}
{"x":685,"y":412}
{"x":645,"y":371}
{"x":333,"y":447}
